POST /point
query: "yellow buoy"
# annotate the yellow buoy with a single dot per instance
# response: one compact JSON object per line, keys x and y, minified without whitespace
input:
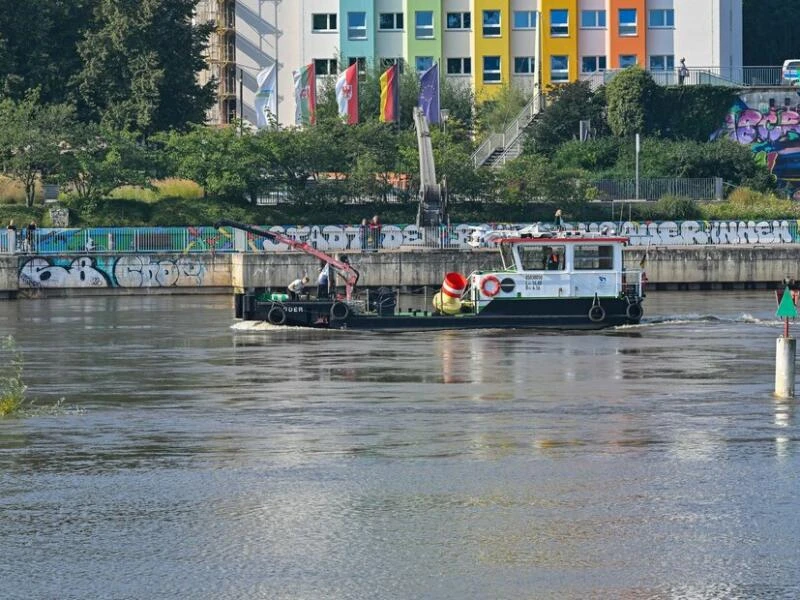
{"x":445,"y":304}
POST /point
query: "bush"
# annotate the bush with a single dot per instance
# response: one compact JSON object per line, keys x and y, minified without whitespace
{"x":747,"y":204}
{"x":12,"y":387}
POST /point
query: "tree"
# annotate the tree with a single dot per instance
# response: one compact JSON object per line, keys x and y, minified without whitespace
{"x":567,"y":106}
{"x":769,"y":41}
{"x":31,"y":136}
{"x":140,"y":64}
{"x":496,"y":114}
{"x":92,"y":162}
{"x":631,"y":96}
{"x":38,"y":46}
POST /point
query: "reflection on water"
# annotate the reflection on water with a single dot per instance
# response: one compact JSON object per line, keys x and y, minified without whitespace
{"x":211,"y":462}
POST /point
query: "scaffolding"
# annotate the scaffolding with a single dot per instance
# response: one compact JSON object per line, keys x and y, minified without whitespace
{"x":221,"y":56}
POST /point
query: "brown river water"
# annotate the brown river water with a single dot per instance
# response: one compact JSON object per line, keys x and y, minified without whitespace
{"x":191,"y":460}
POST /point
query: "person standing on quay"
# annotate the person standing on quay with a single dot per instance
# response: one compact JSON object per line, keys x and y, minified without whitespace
{"x":12,"y":237}
{"x":375,"y":233}
{"x":30,"y":237}
{"x":558,"y":222}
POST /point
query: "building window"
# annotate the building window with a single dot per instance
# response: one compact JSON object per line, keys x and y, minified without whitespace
{"x":390,"y":21}
{"x":662,"y":18}
{"x":627,"y":21}
{"x":459,"y":20}
{"x":593,"y":19}
{"x":559,"y":68}
{"x":326,"y":66}
{"x":665,"y":62}
{"x":627,"y":60}
{"x":423,"y":20}
{"x":524,"y":19}
{"x":559,"y":23}
{"x":459,"y":66}
{"x":362,"y":63}
{"x":592,"y":64}
{"x":388,"y":62}
{"x":356,"y":26}
{"x":423,"y":63}
{"x":524,"y":65}
{"x":491,"y":69}
{"x":323,"y":22}
{"x":491,"y":23}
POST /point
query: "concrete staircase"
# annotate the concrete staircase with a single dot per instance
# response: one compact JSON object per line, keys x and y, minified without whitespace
{"x":499,"y":148}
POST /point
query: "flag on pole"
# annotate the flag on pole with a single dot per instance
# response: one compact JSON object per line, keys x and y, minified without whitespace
{"x":429,"y":93}
{"x":390,"y":96}
{"x":305,"y":95}
{"x":347,"y":94}
{"x":266,"y":102}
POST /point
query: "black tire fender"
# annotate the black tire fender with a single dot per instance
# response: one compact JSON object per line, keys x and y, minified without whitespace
{"x":634,"y":311}
{"x":340,"y":311}
{"x":276,"y":315}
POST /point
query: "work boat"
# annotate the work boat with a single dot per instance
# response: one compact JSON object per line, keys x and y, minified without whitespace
{"x":548,"y":280}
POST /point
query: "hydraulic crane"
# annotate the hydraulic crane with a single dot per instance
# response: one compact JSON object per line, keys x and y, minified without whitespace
{"x":345,"y":269}
{"x":432,"y":195}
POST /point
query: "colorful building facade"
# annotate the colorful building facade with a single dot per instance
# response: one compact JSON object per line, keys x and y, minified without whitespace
{"x":481,"y":43}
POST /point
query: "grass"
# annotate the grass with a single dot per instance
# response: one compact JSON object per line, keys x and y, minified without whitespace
{"x":12,"y":386}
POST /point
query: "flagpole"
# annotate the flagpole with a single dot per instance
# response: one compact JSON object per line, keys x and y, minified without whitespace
{"x":439,"y":90}
{"x":241,"y":100}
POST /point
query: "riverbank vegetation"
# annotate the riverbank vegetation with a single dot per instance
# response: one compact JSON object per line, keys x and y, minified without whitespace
{"x":101,"y":99}
{"x":12,"y":386}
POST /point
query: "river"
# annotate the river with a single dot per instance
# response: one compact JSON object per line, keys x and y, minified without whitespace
{"x":186,"y":459}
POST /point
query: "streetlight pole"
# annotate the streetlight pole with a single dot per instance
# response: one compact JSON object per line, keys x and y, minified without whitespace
{"x":638,"y":146}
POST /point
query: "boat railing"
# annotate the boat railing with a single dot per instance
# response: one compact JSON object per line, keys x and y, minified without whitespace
{"x":632,"y":282}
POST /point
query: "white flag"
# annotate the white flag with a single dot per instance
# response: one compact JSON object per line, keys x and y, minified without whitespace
{"x":266,"y":102}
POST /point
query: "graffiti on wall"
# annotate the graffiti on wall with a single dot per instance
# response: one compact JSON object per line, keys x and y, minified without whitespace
{"x":127,"y":271}
{"x":773,"y":134}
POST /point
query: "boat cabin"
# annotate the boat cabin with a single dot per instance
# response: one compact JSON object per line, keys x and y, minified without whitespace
{"x":564,"y":264}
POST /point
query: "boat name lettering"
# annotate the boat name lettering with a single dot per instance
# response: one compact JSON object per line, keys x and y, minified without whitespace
{"x":294,"y":309}
{"x":533,"y":282}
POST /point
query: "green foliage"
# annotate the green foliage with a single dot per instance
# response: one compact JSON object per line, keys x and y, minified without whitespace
{"x":630,"y":96}
{"x":12,"y":386}
{"x":496,"y":114}
{"x":594,"y":156}
{"x":769,"y":41}
{"x":567,"y":106}
{"x":38,"y":46}
{"x":692,"y":112}
{"x":140,"y":61}
{"x":30,"y":138}
{"x":748,"y":204}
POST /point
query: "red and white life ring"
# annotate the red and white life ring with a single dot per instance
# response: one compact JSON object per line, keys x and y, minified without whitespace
{"x":490,"y":286}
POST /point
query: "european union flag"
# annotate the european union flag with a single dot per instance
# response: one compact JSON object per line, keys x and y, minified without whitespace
{"x":429,"y":93}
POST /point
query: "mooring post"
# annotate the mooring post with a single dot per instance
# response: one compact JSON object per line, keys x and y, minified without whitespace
{"x":785,"y":349}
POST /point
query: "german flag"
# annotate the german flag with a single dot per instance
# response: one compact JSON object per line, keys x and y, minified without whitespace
{"x":390,"y":96}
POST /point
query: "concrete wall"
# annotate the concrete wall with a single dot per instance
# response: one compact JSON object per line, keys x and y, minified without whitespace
{"x":8,"y":276}
{"x":667,"y":267}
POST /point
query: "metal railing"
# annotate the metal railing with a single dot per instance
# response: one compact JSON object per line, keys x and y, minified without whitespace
{"x":512,"y":133}
{"x":120,"y":240}
{"x":766,"y":76}
{"x":704,"y":188}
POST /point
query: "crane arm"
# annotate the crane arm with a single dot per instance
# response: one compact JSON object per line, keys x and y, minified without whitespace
{"x":345,"y":268}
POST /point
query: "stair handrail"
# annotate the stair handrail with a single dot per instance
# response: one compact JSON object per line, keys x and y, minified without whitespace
{"x":497,"y":141}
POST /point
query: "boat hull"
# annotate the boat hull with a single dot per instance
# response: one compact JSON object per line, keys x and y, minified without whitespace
{"x":528,"y":313}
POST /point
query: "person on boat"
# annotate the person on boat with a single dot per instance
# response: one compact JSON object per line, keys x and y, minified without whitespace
{"x":552,"y":261}
{"x":297,"y":287}
{"x":558,"y":222}
{"x":323,"y":280}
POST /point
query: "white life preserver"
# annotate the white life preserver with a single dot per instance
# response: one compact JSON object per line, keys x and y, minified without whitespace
{"x":490,"y":286}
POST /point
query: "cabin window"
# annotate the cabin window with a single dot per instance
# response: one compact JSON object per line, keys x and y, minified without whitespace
{"x":542,"y":258}
{"x":593,"y":257}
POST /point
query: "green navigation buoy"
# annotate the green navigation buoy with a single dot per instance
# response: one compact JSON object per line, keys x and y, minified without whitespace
{"x":787,"y":309}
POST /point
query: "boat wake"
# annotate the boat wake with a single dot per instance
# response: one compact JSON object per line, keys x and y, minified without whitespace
{"x":696,"y":318}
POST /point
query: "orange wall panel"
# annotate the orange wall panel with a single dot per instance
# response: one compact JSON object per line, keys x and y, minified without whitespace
{"x":627,"y":44}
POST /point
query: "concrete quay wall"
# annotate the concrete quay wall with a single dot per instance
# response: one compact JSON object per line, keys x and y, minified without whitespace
{"x":667,"y":267}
